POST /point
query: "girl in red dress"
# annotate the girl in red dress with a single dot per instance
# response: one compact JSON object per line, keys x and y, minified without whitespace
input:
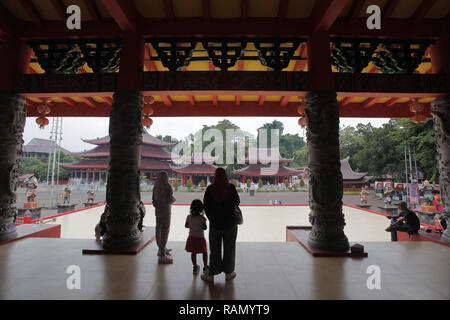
{"x":196,"y":242}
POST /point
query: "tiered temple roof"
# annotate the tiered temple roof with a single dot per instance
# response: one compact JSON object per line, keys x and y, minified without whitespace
{"x":350,"y":177}
{"x":153,"y":157}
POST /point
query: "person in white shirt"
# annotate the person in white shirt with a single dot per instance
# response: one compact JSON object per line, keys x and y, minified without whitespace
{"x":196,"y":242}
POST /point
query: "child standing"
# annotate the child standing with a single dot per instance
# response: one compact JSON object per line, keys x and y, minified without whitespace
{"x":196,"y":242}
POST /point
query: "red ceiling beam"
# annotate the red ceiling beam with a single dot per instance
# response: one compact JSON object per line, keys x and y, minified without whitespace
{"x":60,"y":9}
{"x":166,"y":100}
{"x":355,"y":11}
{"x":32,"y":12}
{"x":261,"y":100}
{"x":108,"y":101}
{"x":244,"y":11}
{"x":284,"y":101}
{"x":397,"y":28}
{"x":282,"y":10}
{"x":69,"y":101}
{"x":325,"y":13}
{"x":388,"y":9}
{"x":237,"y":100}
{"x":369,"y":102}
{"x":170,"y":13}
{"x":192,"y":100}
{"x":124,"y":13}
{"x":7,"y":21}
{"x":89,"y":101}
{"x":391,"y":102}
{"x":422,"y":11}
{"x":93,"y":10}
{"x":228,"y":109}
{"x":206,"y":11}
{"x":345,"y":101}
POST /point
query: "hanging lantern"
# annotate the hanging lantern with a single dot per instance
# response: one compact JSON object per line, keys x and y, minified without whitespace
{"x":150,"y":100}
{"x":148,"y":111}
{"x":419,"y":118}
{"x":42,"y":122}
{"x":147,"y":122}
{"x":415,"y":106}
{"x":301,"y":109}
{"x":302,"y":122}
{"x":43,"y":109}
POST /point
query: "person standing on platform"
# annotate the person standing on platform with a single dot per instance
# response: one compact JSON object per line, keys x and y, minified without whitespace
{"x":163,"y":199}
{"x":220,"y":201}
{"x":66,"y":195}
{"x":196,"y":242}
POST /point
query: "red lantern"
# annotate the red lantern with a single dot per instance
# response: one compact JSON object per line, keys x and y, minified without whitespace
{"x":147,"y":122}
{"x":302,"y":122}
{"x":301,"y":109}
{"x":150,"y":100}
{"x":43,"y":109}
{"x":148,"y":111}
{"x":415,"y":106}
{"x":419,"y":118}
{"x":42,"y":122}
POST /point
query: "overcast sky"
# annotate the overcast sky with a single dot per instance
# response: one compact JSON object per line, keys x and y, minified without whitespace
{"x":90,"y":128}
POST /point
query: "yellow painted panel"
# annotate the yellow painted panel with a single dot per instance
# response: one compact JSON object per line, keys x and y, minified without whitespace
{"x":300,"y":8}
{"x":382,"y":100}
{"x":98,"y":99}
{"x":254,"y":66}
{"x":179,"y":98}
{"x":191,"y":8}
{"x":35,"y":99}
{"x":293,"y":99}
{"x":151,"y":9}
{"x":226,"y":98}
{"x":56,"y":99}
{"x":160,"y":67}
{"x":358,"y":99}
{"x":198,"y":66}
{"x":424,"y":67}
{"x":273,"y":98}
{"x":249,"y":98}
{"x":263,"y":8}
{"x":225,"y":9}
{"x":157,"y":98}
{"x":76,"y":99}
{"x":440,"y":9}
{"x":427,"y":100}
{"x":405,"y":9}
{"x":37,"y":67}
{"x":403,"y":100}
{"x":203,"y":98}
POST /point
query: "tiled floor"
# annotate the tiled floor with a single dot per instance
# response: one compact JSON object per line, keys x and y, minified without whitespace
{"x":36,"y":269}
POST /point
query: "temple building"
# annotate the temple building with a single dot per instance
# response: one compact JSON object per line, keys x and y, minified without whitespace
{"x":40,"y":149}
{"x":94,"y":164}
{"x":351,"y":178}
{"x":256,"y":171}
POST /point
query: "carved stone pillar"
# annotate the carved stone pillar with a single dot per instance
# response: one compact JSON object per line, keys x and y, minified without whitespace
{"x":12,"y":121}
{"x":326,"y":186}
{"x":122,"y":192}
{"x":440,"y":109}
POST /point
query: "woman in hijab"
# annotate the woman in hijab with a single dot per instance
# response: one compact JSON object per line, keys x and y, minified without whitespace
{"x":162,"y":199}
{"x":219,"y":201}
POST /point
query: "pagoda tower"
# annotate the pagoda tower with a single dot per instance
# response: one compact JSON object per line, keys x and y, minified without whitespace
{"x":93,"y":167}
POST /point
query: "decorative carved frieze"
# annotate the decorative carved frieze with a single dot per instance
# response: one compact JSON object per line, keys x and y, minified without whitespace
{"x":225,"y":52}
{"x":440,"y":109}
{"x":352,"y":55}
{"x":102,"y":55}
{"x":326,"y":186}
{"x":276,"y":54}
{"x":123,"y":194}
{"x":58,"y":57}
{"x":174,"y":54}
{"x":12,"y":119}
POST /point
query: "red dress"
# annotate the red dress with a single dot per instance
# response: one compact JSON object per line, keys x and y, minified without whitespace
{"x":196,"y":242}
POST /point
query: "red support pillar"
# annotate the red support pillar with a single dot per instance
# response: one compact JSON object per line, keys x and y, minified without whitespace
{"x":319,"y":62}
{"x":14,"y":59}
{"x":440,"y":62}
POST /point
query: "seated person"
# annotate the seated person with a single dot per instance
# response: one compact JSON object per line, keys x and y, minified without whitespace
{"x":440,"y":223}
{"x":407,"y":221}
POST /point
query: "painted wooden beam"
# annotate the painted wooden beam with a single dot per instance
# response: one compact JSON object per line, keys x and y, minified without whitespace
{"x":108,"y":101}
{"x":32,"y":12}
{"x":60,"y":9}
{"x":93,"y":10}
{"x":345,"y":101}
{"x":325,"y":13}
{"x":89,"y":101}
{"x":261,"y":100}
{"x":284,"y":101}
{"x":124,"y":13}
{"x":369,"y":102}
{"x":192,"y":100}
{"x":167,"y":101}
{"x":391,"y":102}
